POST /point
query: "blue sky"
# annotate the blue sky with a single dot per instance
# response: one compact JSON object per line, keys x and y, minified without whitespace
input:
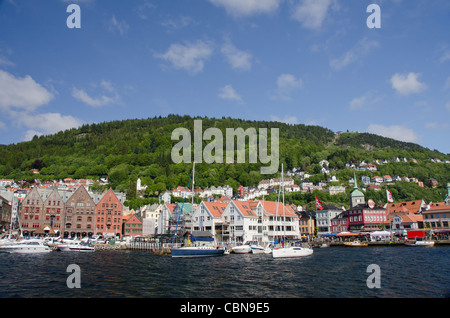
{"x":297,"y":61}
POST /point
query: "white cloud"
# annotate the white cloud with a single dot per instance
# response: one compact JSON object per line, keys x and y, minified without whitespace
{"x":362,"y":102}
{"x":238,"y":59}
{"x":228,"y":92}
{"x":45,"y":124}
{"x":120,"y":26}
{"x":190,"y":56}
{"x":395,"y":132}
{"x":286,"y":85}
{"x":172,"y":24}
{"x":362,"y":48}
{"x":21,"y":93}
{"x":241,"y":8}
{"x":312,"y":13}
{"x":103,"y":100}
{"x":292,"y":120}
{"x":407,"y":84}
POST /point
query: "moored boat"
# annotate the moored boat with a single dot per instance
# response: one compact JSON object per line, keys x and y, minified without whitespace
{"x":419,"y":243}
{"x":197,"y":251}
{"x":356,"y":243}
{"x":291,"y":251}
{"x":76,"y":246}
{"x":241,"y":249}
{"x":26,"y":247}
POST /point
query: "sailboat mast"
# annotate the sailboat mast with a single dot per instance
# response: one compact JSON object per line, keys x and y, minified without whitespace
{"x":284,"y":214}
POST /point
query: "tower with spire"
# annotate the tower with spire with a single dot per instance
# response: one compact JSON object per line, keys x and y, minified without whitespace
{"x":356,"y":197}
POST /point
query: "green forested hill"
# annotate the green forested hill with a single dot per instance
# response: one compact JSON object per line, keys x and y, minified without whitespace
{"x":126,"y":150}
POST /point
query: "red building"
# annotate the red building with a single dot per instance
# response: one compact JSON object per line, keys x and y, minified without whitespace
{"x":132,"y":225}
{"x":109,"y":215}
{"x":363,"y":218}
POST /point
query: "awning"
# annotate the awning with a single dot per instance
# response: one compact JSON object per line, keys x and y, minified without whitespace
{"x":328,"y":235}
{"x":348,"y":234}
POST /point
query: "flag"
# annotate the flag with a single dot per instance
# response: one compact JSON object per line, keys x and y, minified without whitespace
{"x":389,"y":196}
{"x":319,"y":204}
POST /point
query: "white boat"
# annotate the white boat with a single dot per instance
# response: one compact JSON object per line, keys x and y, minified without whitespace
{"x":257,"y":249}
{"x":26,"y":247}
{"x":419,"y":243}
{"x":356,"y":243}
{"x":241,"y":249}
{"x":76,"y":246}
{"x":291,"y":251}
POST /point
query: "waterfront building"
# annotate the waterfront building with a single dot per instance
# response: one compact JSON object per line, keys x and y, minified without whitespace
{"x":132,"y":225}
{"x":279,"y":221}
{"x":405,"y":215}
{"x":242,"y":220}
{"x":363,"y":217}
{"x":109,"y":215}
{"x":5,"y":214}
{"x":80,"y":217}
{"x":437,"y":216}
{"x":306,"y":222}
{"x":165,"y":217}
{"x":208,"y":217}
{"x":324,"y":217}
{"x":340,"y":223}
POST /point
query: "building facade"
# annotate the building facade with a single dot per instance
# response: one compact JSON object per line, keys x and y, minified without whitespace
{"x":80,"y":216}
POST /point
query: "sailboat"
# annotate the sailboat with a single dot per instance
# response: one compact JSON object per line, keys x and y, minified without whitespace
{"x":194,"y":251}
{"x":290,"y":251}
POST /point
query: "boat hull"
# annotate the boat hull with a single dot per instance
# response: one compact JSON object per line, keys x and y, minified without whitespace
{"x":25,"y":248}
{"x":421,"y":243}
{"x":289,"y":252}
{"x":242,"y":249}
{"x":257,"y":249}
{"x":196,"y":252}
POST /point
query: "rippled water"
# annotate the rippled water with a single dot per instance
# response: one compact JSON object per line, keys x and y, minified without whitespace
{"x":330,"y":272}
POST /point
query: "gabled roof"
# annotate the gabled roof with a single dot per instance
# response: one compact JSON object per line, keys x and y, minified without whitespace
{"x":411,"y":206}
{"x":271,"y":208}
{"x":215,"y":208}
{"x":244,"y":208}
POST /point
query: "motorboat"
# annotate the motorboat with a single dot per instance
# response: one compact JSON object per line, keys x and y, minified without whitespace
{"x":291,"y":251}
{"x":197,"y":251}
{"x":419,"y":243}
{"x":242,"y":249}
{"x":355,"y":243}
{"x":257,"y":249}
{"x":26,"y":247}
{"x":76,"y":246}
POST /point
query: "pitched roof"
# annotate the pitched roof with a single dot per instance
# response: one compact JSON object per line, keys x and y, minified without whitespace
{"x":244,"y":208}
{"x":411,"y":206}
{"x":438,"y":206}
{"x":215,"y":208}
{"x":271,"y":208}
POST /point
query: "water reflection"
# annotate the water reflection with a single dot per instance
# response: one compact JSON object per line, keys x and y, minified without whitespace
{"x":331,"y":272}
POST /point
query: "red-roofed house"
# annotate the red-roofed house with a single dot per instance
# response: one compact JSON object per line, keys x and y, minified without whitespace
{"x":132,"y":225}
{"x":437,"y":216}
{"x":208,"y":217}
{"x":242,"y":217}
{"x":276,"y":215}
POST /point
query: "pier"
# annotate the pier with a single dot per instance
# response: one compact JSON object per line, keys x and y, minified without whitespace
{"x":377,"y":243}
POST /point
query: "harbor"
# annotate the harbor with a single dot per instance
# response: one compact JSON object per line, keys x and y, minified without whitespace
{"x":328,"y":273}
